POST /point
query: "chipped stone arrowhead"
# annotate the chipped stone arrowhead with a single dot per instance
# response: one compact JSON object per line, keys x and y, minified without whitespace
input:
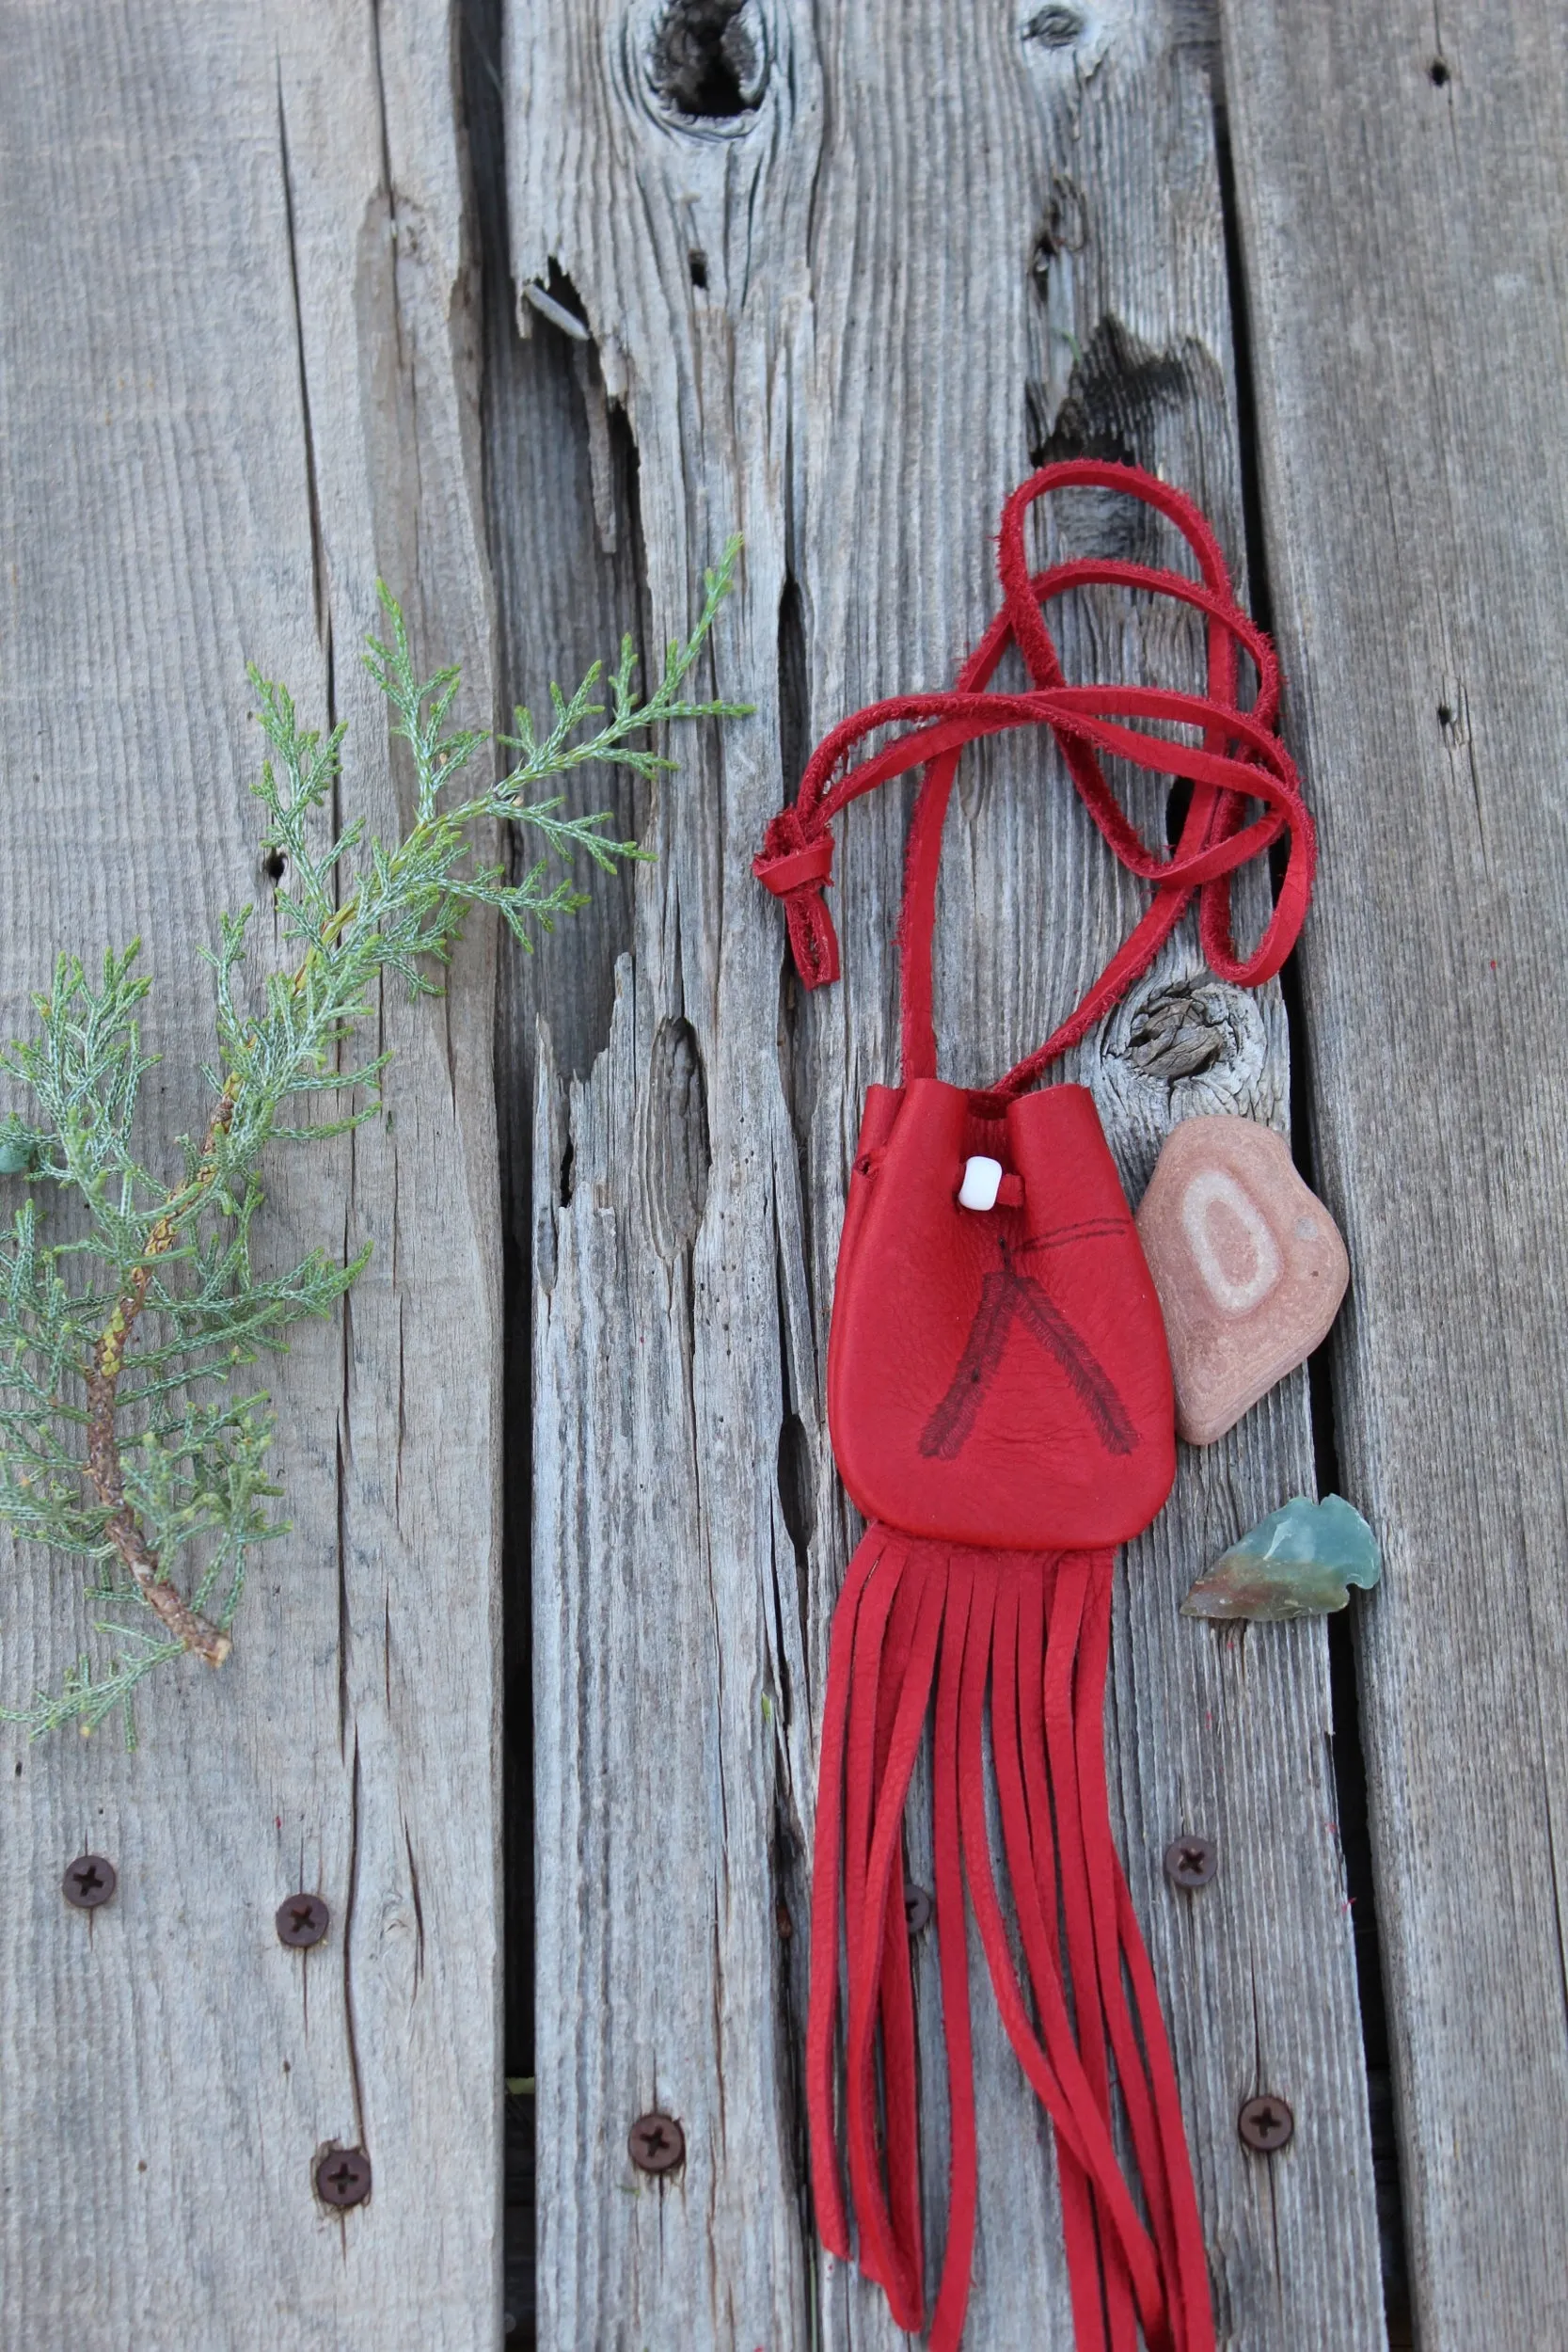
{"x":1248,"y":1264}
{"x":1300,"y":1562}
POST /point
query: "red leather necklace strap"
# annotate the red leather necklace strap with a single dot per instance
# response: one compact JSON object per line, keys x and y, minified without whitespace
{"x":1239,"y":761}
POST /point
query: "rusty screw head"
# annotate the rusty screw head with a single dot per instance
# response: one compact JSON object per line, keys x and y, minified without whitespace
{"x":1265,"y":2124}
{"x":343,"y":2176}
{"x":917,"y":1909}
{"x":302,"y":1921}
{"x":1191,"y":1861}
{"x":90,"y":1880}
{"x":657,"y":2143}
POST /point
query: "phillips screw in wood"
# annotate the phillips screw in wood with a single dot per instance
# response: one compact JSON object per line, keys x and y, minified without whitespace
{"x":302,"y":1921}
{"x":1191,"y":1861}
{"x":343,"y":2177}
{"x":1265,"y":2125}
{"x":657,"y":2143}
{"x":90,"y":1880}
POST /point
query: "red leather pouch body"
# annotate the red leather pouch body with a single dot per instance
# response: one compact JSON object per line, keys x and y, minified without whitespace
{"x":996,"y":1378}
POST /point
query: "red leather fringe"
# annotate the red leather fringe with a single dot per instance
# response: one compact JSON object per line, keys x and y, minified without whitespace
{"x":1033,"y":1632}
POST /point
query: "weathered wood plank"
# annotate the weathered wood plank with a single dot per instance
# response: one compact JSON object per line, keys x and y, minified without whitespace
{"x":659,"y":1680}
{"x":1006,"y":238}
{"x":567,"y":583}
{"x":1404,"y":199}
{"x":239,"y":382}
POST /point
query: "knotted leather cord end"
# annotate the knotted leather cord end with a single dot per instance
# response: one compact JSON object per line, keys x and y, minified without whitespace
{"x":796,"y":872}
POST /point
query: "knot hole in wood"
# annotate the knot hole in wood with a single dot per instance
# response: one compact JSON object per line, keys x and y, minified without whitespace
{"x":708,"y":60}
{"x":1182,"y":1045}
{"x":1122,"y":393}
{"x":1185,"y":1029}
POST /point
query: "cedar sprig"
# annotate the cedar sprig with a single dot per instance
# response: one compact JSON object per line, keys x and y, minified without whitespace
{"x":128,"y":1318}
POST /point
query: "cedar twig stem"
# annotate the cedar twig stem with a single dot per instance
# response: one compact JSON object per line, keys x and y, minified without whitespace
{"x":124,"y":1530}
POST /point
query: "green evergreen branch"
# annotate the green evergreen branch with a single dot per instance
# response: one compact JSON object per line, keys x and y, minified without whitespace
{"x":121,"y":1440}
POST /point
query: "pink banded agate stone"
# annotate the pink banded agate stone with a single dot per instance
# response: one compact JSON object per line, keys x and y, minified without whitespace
{"x":1248,"y":1264}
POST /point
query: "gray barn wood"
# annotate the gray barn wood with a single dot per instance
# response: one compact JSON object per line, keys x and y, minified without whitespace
{"x":1403,"y":193}
{"x":266,"y":334}
{"x":240,"y":381}
{"x":843,"y":320}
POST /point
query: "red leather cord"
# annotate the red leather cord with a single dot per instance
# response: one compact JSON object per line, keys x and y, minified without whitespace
{"x":874,"y":1671}
{"x":1121,"y":1944}
{"x":891,"y":2232}
{"x":947,"y":2321}
{"x":1094,"y":1864}
{"x":902,"y":1703}
{"x":1039,"y":1919}
{"x":1239,"y":761}
{"x":832,"y":2219}
{"x":1059,"y":1700}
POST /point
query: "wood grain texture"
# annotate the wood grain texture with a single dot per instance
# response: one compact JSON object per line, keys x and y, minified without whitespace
{"x":240,"y":379}
{"x":930,"y":246}
{"x":1403,"y":198}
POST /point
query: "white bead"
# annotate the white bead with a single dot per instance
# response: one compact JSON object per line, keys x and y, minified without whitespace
{"x":982,"y":1183}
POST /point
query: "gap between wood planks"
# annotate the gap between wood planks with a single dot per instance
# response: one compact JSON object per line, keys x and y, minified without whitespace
{"x":1350,"y":1766}
{"x":479,"y":92}
{"x":561,"y":472}
{"x":564,"y":356}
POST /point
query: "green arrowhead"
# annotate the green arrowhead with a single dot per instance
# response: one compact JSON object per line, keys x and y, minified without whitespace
{"x":1300,"y":1562}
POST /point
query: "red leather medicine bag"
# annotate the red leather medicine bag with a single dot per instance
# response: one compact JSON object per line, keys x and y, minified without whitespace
{"x":999,"y":1398}
{"x":996,"y":1378}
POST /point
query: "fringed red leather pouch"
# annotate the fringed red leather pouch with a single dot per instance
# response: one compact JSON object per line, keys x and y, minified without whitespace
{"x":999,"y":1399}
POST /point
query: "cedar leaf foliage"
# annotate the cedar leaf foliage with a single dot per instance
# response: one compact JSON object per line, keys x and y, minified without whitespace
{"x":132,"y":1437}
